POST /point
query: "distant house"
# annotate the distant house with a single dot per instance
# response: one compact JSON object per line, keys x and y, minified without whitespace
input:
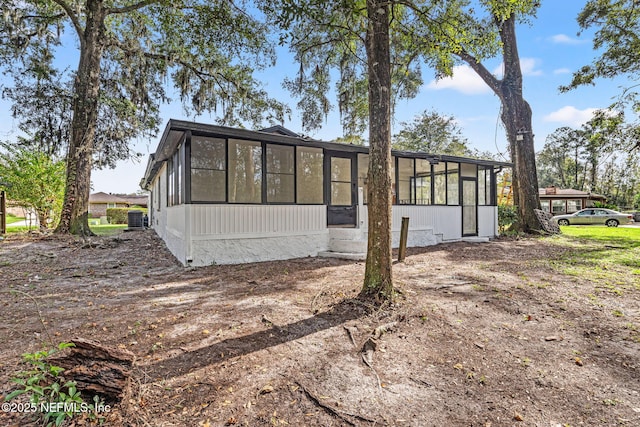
{"x":135,"y":200}
{"x":226,"y":196}
{"x":100,"y":202}
{"x":560,"y":201}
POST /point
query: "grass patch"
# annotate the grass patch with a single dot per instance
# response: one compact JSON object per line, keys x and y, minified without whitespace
{"x":612,"y":236}
{"x":606,"y":256}
{"x":100,"y":229}
{"x":108,"y":229}
{"x":12,"y":218}
{"x":20,"y":228}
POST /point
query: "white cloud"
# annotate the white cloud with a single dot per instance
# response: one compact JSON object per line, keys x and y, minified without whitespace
{"x":527,"y":66}
{"x":464,"y":80}
{"x":570,"y":116}
{"x":565,"y":39}
{"x":562,"y":71}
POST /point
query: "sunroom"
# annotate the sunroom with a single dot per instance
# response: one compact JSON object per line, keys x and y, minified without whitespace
{"x":222,"y":195}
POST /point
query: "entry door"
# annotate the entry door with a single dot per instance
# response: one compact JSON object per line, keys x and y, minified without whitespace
{"x":340,"y":170}
{"x":469,"y":207}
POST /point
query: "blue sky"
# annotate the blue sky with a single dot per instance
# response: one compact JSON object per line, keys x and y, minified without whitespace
{"x":550,"y":50}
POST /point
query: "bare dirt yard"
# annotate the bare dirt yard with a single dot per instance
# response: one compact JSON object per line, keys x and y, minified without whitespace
{"x":484,"y":334}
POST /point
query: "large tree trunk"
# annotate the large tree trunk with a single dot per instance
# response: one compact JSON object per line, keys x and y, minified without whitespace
{"x":516,"y":116}
{"x":75,"y":208}
{"x":377,"y":277}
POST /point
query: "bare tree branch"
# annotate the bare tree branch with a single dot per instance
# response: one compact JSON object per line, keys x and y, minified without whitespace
{"x":130,"y":8}
{"x":481,"y":70}
{"x":73,"y":17}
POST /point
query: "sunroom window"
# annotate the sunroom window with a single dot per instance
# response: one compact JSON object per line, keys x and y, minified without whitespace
{"x":208,"y":169}
{"x":422,"y":182}
{"x":440,"y":184}
{"x":280,"y":174}
{"x":309,"y":169}
{"x":245,"y":171}
{"x":452,"y":184}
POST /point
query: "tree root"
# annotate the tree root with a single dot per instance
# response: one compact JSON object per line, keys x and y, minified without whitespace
{"x":344,"y":416}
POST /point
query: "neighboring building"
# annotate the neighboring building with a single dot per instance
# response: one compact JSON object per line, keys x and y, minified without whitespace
{"x":565,"y":201}
{"x":220,"y":195}
{"x":100,"y":202}
{"x":135,"y":200}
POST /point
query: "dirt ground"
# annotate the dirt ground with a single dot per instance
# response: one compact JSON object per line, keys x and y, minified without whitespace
{"x":485,"y":334}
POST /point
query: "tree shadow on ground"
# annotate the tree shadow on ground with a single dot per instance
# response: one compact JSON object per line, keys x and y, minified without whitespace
{"x":219,"y":352}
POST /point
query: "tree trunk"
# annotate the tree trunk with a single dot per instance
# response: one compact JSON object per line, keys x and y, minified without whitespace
{"x":516,"y":117}
{"x":377,"y":277}
{"x":75,"y":208}
{"x":43,"y":219}
{"x":97,"y":369}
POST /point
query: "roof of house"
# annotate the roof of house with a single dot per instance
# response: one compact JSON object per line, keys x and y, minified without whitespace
{"x":280,"y":130}
{"x":176,"y":131}
{"x":102,"y":197}
{"x":551,"y":192}
{"x":135,"y":199}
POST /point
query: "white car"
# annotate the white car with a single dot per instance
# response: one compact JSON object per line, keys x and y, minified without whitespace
{"x":594,"y":216}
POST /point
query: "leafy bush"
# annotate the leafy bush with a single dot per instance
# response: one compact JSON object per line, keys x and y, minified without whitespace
{"x":507,"y":216}
{"x":121,"y":215}
{"x":52,"y":398}
{"x":605,"y":206}
{"x":33,"y":179}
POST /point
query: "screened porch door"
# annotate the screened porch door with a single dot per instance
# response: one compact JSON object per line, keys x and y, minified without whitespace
{"x":469,"y":207}
{"x":340,"y":171}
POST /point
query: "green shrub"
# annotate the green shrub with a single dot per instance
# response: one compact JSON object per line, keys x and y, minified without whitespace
{"x":605,"y":206}
{"x":50,"y":397}
{"x":507,"y":216}
{"x":121,"y":215}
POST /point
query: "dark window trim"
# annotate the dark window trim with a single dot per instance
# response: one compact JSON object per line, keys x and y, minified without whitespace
{"x":327,"y":152}
{"x":475,"y":180}
{"x":187,"y":167}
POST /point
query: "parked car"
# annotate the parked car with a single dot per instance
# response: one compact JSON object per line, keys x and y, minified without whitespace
{"x":594,"y":216}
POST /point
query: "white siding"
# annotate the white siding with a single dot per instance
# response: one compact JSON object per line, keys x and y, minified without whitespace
{"x":445,"y":221}
{"x":487,"y":221}
{"x":168,"y":222}
{"x":256,"y":220}
{"x":229,"y":234}
{"x":159,"y":216}
{"x":232,"y":234}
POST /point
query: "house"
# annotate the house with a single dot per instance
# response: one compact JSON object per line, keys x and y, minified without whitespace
{"x":224,"y":195}
{"x":560,"y":201}
{"x":100,"y":202}
{"x":135,"y":200}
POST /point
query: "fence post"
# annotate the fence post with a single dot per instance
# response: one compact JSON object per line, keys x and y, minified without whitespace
{"x":3,"y":213}
{"x":404,"y":231}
